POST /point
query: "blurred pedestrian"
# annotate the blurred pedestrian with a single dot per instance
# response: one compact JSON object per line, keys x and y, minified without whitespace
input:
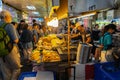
{"x":10,"y":65}
{"x":20,"y":26}
{"x":95,"y":33}
{"x":26,"y":40}
{"x":106,"y":43}
{"x":35,"y":34}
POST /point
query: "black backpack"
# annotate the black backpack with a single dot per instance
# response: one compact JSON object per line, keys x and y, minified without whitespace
{"x":5,"y":43}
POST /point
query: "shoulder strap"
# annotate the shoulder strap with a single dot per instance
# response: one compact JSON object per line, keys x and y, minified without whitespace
{"x":3,"y":25}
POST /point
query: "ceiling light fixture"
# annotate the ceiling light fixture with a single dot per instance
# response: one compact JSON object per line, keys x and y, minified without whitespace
{"x":37,"y":13}
{"x":31,"y":7}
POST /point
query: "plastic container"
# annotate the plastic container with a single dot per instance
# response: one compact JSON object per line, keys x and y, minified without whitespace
{"x":97,"y":71}
{"x":106,"y":71}
{"x":27,"y":74}
{"x":109,"y":72}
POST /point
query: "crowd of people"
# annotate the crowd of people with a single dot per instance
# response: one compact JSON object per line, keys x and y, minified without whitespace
{"x":101,"y":40}
{"x":24,"y":38}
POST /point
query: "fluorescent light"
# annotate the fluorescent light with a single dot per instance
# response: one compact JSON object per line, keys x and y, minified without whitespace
{"x":31,"y":7}
{"x":35,"y":13}
{"x":53,"y":23}
{"x":89,"y":14}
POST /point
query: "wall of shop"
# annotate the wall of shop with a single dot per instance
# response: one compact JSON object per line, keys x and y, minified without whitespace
{"x":79,"y":6}
{"x":117,"y":15}
{"x":102,"y":4}
{"x":107,"y":17}
{"x":101,"y":18}
{"x":99,"y":4}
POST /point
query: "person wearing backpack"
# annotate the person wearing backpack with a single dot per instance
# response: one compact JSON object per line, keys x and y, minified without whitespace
{"x":10,"y":65}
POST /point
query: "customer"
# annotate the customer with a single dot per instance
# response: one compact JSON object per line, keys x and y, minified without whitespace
{"x":35,"y":35}
{"x":106,"y":43}
{"x":39,"y":28}
{"x":26,"y":40}
{"x":15,"y":24}
{"x":20,"y":26}
{"x":10,"y":64}
{"x":106,"y":39}
{"x":95,"y":33}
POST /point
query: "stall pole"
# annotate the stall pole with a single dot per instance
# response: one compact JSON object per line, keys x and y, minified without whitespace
{"x":68,"y":21}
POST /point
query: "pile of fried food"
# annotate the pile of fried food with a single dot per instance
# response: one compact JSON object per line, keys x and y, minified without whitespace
{"x":35,"y":56}
{"x":44,"y":56}
{"x":50,"y":56}
{"x":45,"y":51}
{"x":50,"y":42}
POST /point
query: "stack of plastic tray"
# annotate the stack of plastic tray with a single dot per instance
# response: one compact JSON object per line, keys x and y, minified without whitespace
{"x":27,"y":74}
{"x":106,"y":71}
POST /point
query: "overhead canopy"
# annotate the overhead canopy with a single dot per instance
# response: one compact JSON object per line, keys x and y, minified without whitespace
{"x":44,"y":7}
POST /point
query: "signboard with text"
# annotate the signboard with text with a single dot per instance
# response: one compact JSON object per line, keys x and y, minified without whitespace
{"x":110,"y":15}
{"x":100,"y":16}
